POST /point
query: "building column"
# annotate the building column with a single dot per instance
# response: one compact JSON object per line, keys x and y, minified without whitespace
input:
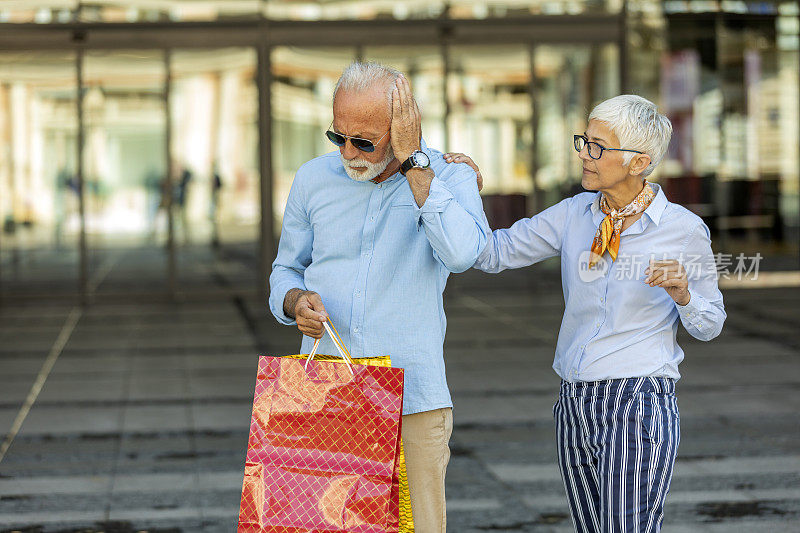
{"x":266,"y":244}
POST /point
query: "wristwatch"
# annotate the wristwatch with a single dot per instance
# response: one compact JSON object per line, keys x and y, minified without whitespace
{"x":417,"y":159}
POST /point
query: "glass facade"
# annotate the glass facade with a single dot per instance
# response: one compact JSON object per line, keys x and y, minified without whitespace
{"x":726,"y":73}
{"x":64,"y":11}
{"x":216,"y":178}
{"x":38,"y":163}
{"x":213,"y":114}
{"x":488,"y":95}
{"x":123,"y":158}
{"x":570,"y":80}
{"x":122,"y":11}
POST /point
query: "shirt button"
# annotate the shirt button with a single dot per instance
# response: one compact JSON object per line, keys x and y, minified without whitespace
{"x":355,"y":330}
{"x":358,"y":293}
{"x":371,"y":218}
{"x":380,"y":186}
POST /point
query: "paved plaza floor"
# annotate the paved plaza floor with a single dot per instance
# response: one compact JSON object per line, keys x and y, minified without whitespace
{"x":141,"y":423}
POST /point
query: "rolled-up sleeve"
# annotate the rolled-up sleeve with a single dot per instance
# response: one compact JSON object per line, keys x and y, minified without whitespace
{"x":453,"y":219}
{"x":528,"y":241}
{"x":294,"y":253}
{"x":704,"y":315}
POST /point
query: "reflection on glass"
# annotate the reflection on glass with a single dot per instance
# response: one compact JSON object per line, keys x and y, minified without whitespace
{"x":570,"y":81}
{"x":788,"y":113}
{"x":124,"y":130}
{"x":124,"y":166}
{"x":723,"y":6}
{"x":214,"y":104}
{"x":476,"y":9}
{"x":63,"y":11}
{"x":215,"y":118}
{"x":729,"y":86}
{"x":167,"y":10}
{"x":728,"y":82}
{"x":489,"y":98}
{"x":39,"y":221}
{"x":26,"y":12}
{"x":352,"y":9}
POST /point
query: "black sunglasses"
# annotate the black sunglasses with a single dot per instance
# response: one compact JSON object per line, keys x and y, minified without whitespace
{"x":365,"y":145}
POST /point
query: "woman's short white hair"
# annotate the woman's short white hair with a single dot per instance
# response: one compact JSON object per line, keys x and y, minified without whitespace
{"x":638,"y":125}
{"x":363,"y":75}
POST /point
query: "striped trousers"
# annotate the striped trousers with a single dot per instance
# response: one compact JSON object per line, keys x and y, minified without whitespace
{"x":617,"y":441}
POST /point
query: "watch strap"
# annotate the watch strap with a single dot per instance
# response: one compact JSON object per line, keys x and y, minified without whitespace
{"x":408,"y":164}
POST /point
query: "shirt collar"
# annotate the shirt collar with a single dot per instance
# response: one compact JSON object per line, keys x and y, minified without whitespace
{"x":653,"y":211}
{"x":594,"y":203}
{"x":658,"y":205}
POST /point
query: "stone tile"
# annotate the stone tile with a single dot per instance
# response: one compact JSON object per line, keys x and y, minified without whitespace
{"x":27,"y":367}
{"x":56,"y":485}
{"x":222,"y":417}
{"x":239,"y":387}
{"x":157,"y":387}
{"x":177,"y":382}
{"x":71,"y":421}
{"x":13,"y":393}
{"x":184,"y":482}
{"x":77,"y":389}
{"x":62,"y":517}
{"x":159,"y":418}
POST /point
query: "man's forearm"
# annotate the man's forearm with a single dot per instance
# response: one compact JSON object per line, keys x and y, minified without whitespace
{"x":290,"y":301}
{"x":419,"y":180}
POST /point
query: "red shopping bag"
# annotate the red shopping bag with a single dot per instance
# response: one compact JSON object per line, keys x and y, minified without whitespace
{"x":324,"y":445}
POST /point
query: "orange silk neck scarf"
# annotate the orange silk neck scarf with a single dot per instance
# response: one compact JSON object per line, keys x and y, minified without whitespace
{"x":608,"y":233}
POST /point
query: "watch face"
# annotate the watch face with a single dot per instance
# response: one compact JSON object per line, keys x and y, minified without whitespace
{"x":421,"y":159}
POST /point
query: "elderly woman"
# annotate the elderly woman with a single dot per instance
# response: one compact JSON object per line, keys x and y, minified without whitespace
{"x":632,"y":265}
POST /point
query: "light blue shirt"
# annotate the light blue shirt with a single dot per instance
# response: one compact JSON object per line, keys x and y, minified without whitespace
{"x":615,"y":325}
{"x":380,"y":263}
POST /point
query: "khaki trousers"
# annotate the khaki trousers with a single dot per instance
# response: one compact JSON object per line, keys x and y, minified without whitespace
{"x":425,"y":441}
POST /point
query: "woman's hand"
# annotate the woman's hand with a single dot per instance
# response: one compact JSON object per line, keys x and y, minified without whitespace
{"x":671,"y":276}
{"x":454,"y":157}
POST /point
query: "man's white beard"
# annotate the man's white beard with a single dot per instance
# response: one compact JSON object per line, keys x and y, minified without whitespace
{"x":371,"y":171}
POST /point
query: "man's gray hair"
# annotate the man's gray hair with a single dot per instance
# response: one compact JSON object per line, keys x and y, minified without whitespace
{"x":638,"y":125}
{"x":363,"y":75}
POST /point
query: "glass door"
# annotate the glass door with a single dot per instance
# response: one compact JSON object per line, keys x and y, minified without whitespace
{"x":39,"y":218}
{"x":214,"y":116}
{"x":125,"y":171}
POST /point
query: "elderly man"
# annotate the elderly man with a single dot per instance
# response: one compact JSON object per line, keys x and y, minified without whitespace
{"x":633,"y":265}
{"x":373,"y":231}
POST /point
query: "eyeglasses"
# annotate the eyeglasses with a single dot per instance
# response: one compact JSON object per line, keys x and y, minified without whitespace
{"x":595,"y":150}
{"x":365,"y":145}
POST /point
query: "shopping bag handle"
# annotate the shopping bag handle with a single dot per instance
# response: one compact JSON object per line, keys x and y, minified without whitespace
{"x":348,"y":359}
